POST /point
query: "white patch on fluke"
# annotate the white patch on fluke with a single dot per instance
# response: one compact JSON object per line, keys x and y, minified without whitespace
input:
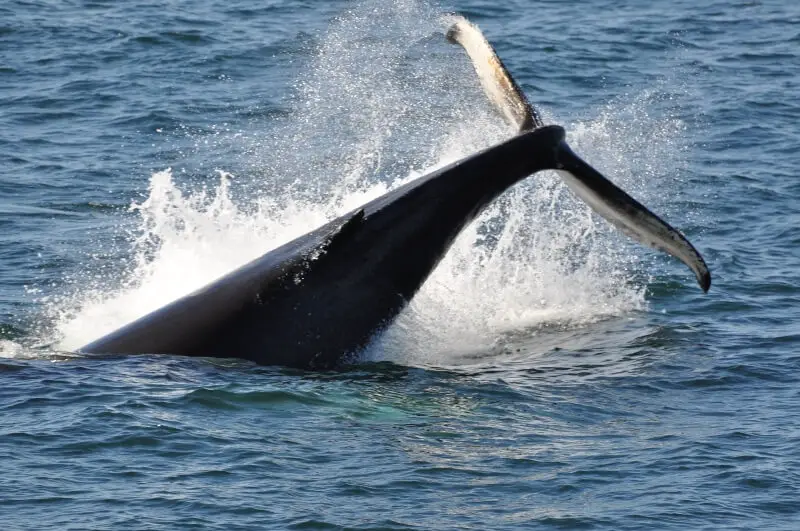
{"x":496,"y":81}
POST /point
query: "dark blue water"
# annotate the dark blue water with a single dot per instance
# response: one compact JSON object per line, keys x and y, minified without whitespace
{"x":549,"y":376}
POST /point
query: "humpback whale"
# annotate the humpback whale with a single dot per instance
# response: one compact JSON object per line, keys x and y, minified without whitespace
{"x":313,"y":300}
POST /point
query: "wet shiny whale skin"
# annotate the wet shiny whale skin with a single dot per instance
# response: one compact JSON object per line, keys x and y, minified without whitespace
{"x":325,"y":294}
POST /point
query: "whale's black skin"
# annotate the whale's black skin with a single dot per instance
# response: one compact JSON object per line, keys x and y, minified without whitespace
{"x":325,"y":294}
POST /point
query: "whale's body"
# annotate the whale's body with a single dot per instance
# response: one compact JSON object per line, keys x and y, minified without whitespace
{"x":325,"y":294}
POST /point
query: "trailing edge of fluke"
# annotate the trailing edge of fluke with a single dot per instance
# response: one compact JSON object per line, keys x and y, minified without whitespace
{"x":324,"y":295}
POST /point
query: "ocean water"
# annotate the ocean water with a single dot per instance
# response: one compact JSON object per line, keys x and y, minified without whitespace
{"x":550,"y":375}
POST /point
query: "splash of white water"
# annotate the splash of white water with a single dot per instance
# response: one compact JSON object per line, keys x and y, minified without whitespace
{"x":382,"y":98}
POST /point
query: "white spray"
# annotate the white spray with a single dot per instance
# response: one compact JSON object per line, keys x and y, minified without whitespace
{"x":384,"y":99}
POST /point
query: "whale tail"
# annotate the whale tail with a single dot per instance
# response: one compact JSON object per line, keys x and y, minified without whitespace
{"x":604,"y":197}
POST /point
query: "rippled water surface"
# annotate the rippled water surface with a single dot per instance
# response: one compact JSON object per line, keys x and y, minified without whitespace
{"x":550,"y":375}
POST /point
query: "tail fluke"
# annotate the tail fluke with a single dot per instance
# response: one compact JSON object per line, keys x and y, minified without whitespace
{"x":603,"y":196}
{"x":626,"y":213}
{"x":497,"y":82}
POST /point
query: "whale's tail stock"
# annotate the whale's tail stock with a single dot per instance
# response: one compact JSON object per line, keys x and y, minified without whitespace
{"x":603,"y":196}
